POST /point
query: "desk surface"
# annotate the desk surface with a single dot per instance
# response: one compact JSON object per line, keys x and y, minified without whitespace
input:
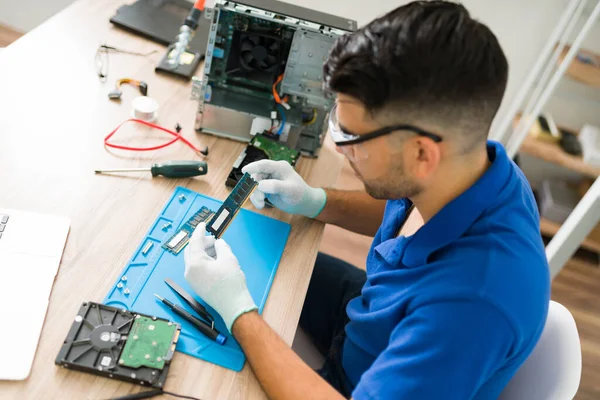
{"x":54,"y":114}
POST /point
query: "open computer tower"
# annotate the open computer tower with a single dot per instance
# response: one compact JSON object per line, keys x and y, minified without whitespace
{"x":256,"y":48}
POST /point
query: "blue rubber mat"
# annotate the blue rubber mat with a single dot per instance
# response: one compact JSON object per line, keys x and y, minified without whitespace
{"x":257,"y":241}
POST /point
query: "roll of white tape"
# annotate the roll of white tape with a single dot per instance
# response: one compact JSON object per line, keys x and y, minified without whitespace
{"x":145,"y":108}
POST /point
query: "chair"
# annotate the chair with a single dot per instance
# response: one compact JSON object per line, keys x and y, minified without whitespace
{"x":553,"y":370}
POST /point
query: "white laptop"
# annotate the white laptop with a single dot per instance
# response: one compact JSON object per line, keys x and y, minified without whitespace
{"x":31,"y":246}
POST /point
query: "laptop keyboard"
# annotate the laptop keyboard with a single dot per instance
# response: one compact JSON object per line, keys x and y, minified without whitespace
{"x":3,"y":222}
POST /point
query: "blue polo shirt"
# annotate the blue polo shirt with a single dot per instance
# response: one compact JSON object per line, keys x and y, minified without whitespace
{"x":452,"y":311}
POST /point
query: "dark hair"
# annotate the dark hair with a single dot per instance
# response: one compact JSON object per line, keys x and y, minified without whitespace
{"x":425,"y":60}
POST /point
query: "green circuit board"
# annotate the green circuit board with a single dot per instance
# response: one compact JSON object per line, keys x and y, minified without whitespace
{"x":182,"y":236}
{"x":149,"y":343}
{"x":275,"y":150}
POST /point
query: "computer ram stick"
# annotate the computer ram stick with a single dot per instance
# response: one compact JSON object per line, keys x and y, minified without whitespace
{"x":231,"y":206}
{"x":180,"y":239}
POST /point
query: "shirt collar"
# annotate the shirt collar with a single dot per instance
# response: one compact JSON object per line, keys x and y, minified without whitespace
{"x":455,"y":218}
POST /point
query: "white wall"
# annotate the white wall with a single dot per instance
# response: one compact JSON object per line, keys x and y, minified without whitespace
{"x":24,"y":15}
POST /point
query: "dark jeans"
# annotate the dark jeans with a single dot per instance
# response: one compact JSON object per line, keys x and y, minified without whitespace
{"x":333,"y":284}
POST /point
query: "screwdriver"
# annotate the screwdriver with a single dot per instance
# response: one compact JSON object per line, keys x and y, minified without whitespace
{"x":170,"y":169}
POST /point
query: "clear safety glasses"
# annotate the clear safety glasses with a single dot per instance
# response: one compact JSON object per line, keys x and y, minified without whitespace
{"x":346,"y":140}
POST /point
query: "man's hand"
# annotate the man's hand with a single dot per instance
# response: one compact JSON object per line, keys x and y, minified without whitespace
{"x":218,"y":280}
{"x":285,"y":189}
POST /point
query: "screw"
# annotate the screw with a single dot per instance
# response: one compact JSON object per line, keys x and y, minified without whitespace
{"x":132,"y":375}
{"x":159,"y":359}
{"x":121,"y":361}
{"x":124,"y":278}
{"x":135,"y":337}
{"x":170,"y":323}
{"x":120,"y":285}
{"x":126,"y":292}
{"x":182,"y":198}
{"x":147,"y":356}
{"x":78,"y":318}
{"x":153,"y":343}
{"x":153,"y":372}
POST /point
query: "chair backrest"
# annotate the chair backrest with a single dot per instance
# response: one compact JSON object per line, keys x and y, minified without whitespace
{"x":553,"y":370}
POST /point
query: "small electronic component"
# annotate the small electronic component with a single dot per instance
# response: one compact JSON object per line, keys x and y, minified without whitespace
{"x":261,"y":147}
{"x":120,"y":344}
{"x":147,"y":248}
{"x":116,"y":93}
{"x":231,"y":206}
{"x":180,"y":239}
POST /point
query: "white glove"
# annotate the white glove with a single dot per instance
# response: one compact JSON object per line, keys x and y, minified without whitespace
{"x":219,"y":281}
{"x":285,"y":189}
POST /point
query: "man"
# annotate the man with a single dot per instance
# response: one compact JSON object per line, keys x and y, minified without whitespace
{"x":456,"y":290}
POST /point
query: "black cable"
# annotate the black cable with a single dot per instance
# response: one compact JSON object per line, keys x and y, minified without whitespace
{"x":123,"y":51}
{"x":140,"y":395}
{"x":152,"y":393}
{"x":102,"y":58}
{"x":180,"y":395}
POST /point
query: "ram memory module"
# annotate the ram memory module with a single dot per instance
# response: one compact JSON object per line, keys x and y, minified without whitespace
{"x":231,"y":206}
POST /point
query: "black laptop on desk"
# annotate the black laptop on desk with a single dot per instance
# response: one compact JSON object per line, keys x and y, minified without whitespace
{"x":160,"y":20}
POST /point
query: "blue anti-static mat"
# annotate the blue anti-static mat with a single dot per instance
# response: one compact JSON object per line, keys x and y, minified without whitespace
{"x":256,"y":240}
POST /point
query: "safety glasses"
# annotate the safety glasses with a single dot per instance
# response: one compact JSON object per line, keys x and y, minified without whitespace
{"x":342,"y":137}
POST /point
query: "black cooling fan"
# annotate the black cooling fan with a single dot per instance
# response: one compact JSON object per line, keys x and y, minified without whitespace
{"x":259,"y":52}
{"x":255,"y":56}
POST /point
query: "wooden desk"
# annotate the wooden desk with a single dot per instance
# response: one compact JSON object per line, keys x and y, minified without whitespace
{"x":54,"y":114}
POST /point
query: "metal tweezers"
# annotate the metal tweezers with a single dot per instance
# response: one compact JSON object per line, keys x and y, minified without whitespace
{"x":199,"y":308}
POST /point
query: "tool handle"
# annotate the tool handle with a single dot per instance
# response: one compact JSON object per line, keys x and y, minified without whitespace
{"x":180,"y":169}
{"x":198,"y":323}
{"x":195,"y":13}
